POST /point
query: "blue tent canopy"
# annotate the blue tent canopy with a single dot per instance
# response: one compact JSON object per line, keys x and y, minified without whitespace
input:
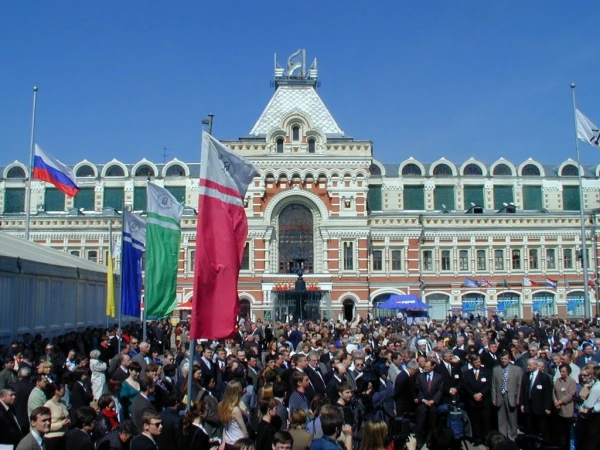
{"x":403,"y":302}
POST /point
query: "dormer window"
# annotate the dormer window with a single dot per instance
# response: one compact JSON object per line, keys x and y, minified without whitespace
{"x":311,"y":146}
{"x":280,"y":145}
{"x":295,"y":133}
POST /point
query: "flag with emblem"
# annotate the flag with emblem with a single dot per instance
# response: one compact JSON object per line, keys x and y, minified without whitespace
{"x":110,"y":277}
{"x":222,"y":232}
{"x":586,"y":130}
{"x":132,"y":252}
{"x":163,"y":241}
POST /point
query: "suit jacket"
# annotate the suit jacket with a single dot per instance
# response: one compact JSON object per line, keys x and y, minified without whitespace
{"x":142,"y":360}
{"x":171,"y":429}
{"x":482,"y":385}
{"x":120,"y":375}
{"x":78,"y":439}
{"x":580,"y":361}
{"x":405,"y":393}
{"x":80,"y":396}
{"x":317,"y":380}
{"x":488,"y":361}
{"x":142,"y":442}
{"x":452,"y":379}
{"x":22,"y":390}
{"x":28,"y":443}
{"x":536,"y":397}
{"x":139,"y":405}
{"x":11,"y":430}
{"x":515,"y":377}
{"x":436,"y":391}
{"x":7,"y":377}
{"x":206,"y":370}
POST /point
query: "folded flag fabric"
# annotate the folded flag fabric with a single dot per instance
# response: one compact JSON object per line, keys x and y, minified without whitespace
{"x":551,"y":283}
{"x":484,"y":282}
{"x":586,"y":130}
{"x":470,"y":282}
{"x":46,"y":168}
{"x":505,"y":284}
{"x":529,"y":282}
{"x":592,"y":283}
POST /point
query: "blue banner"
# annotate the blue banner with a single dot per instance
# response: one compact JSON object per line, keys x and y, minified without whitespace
{"x":134,"y":241}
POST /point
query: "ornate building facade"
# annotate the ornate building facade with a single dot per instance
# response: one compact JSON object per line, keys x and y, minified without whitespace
{"x":463,"y":236}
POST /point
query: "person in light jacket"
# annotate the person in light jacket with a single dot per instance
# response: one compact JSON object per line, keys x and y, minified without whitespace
{"x":563,"y":393}
{"x":98,"y":369}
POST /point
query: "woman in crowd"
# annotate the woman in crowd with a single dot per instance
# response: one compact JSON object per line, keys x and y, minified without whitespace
{"x":107,"y":420}
{"x":114,"y":388}
{"x":130,"y":387}
{"x":231,"y":416}
{"x":302,"y":438}
{"x":563,"y":394}
{"x":60,"y":417}
{"x":196,"y":383}
{"x":374,"y":435}
{"x":98,"y":378}
{"x":194,"y":435}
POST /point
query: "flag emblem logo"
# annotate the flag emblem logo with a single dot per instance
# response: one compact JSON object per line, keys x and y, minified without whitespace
{"x":164,"y":202}
{"x":133,"y":226}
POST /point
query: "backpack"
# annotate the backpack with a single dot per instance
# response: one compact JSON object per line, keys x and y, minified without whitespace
{"x":457,"y":422}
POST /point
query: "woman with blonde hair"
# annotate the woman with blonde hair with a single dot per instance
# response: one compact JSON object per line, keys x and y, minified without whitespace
{"x":375,"y":433}
{"x":231,"y":416}
{"x":302,"y":438}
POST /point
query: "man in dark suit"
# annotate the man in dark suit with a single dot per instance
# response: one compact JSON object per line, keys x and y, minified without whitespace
{"x":11,"y":430}
{"x":404,"y":389}
{"x":151,"y":429}
{"x":22,"y":389}
{"x":141,"y":403}
{"x":451,"y":375}
{"x":429,"y":387}
{"x":40,"y":425}
{"x":477,"y":386}
{"x":489,"y":356}
{"x":79,"y":437}
{"x":171,"y":425}
{"x":207,"y":365}
{"x":314,"y":373}
{"x":536,"y":400}
{"x":81,"y":394}
{"x":588,"y":356}
{"x":121,"y":373}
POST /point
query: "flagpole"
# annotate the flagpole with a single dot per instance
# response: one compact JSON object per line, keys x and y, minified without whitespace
{"x":190,"y":375}
{"x":584,"y":255}
{"x":28,"y":202}
{"x":110,"y":256}
{"x":120,"y":312}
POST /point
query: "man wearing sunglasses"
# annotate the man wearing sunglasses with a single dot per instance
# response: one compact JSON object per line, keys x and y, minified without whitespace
{"x":152,"y":427}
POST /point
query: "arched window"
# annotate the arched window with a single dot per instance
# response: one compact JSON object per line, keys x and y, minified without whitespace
{"x":296,"y":239}
{"x":311,"y":146}
{"x":144,"y":171}
{"x":411,"y":170}
{"x":543,"y":303}
{"x":442,"y":170}
{"x":175,"y":171}
{"x":296,"y":133}
{"x":473,"y":170}
{"x":531,"y":170}
{"x":473,"y":303}
{"x":15,"y":172}
{"x":508,"y":305}
{"x":85,"y":171}
{"x":569,"y":171}
{"x":115,"y":171}
{"x":375,"y":170}
{"x":280,"y":145}
{"x":502,"y":170}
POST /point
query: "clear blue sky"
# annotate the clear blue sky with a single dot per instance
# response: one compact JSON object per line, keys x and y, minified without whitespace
{"x":124,"y":79}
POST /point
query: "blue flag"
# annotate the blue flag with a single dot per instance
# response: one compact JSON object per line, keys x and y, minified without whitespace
{"x":470,"y":282}
{"x":134,"y":242}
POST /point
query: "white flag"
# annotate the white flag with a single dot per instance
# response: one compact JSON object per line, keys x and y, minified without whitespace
{"x":586,"y":130}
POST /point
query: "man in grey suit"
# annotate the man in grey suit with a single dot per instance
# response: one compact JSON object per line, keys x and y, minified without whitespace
{"x":143,"y":357}
{"x":506,"y":395}
{"x":40,"y":421}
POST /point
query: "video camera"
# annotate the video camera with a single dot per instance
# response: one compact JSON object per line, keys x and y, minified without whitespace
{"x":402,"y":428}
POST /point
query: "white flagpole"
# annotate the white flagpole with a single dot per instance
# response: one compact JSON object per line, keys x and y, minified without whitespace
{"x":110,"y":255}
{"x":584,"y":255}
{"x":28,"y":199}
{"x":121,"y":273}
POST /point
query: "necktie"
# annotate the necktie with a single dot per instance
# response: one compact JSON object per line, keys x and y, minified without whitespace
{"x":505,"y":380}
{"x":531,"y":380}
{"x":429,"y":377}
{"x":476,"y":374}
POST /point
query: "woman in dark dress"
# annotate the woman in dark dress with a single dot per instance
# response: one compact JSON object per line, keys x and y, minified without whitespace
{"x":193,"y":434}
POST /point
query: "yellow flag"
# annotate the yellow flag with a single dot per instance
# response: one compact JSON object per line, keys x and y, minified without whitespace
{"x":110,"y":287}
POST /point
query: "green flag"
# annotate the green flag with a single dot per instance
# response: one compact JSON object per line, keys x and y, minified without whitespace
{"x":163,"y":239}
{"x":506,"y":284}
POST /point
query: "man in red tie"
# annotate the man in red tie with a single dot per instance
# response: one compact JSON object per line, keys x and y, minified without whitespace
{"x":429,"y":387}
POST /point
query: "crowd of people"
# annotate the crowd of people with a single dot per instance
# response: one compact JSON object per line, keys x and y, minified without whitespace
{"x":370,"y":384}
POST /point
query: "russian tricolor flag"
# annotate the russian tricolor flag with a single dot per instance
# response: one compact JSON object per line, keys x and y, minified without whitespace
{"x":551,"y":283}
{"x":46,"y":168}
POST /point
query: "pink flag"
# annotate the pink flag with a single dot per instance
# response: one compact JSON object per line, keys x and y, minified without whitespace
{"x":220,"y":239}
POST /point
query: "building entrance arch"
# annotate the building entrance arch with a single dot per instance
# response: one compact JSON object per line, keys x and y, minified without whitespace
{"x":349,"y":308}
